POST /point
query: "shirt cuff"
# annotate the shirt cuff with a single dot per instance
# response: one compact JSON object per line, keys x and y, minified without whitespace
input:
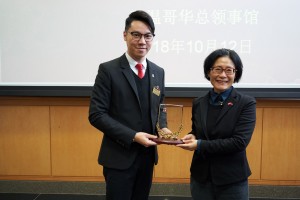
{"x":198,"y":145}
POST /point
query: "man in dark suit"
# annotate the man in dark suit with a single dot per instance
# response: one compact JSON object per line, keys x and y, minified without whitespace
{"x":124,"y":106}
{"x":223,"y":122}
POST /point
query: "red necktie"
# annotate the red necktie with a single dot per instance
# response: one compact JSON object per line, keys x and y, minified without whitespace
{"x":140,"y":70}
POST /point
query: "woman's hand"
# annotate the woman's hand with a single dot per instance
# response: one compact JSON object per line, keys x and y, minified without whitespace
{"x":190,"y":142}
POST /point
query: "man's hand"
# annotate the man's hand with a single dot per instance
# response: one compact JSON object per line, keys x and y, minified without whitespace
{"x":168,"y":133}
{"x":144,"y":139}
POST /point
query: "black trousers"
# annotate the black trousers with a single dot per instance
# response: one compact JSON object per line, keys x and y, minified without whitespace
{"x":210,"y":191}
{"x":133,"y":183}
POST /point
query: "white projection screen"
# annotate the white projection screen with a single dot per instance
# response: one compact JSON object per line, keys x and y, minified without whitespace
{"x":62,"y":42}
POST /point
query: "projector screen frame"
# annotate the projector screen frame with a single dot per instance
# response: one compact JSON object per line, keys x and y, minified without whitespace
{"x":181,"y":92}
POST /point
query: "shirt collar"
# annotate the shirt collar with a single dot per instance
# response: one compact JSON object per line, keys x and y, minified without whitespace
{"x":224,"y":95}
{"x":133,"y":63}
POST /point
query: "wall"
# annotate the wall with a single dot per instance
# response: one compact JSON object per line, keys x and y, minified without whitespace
{"x":50,"y":138}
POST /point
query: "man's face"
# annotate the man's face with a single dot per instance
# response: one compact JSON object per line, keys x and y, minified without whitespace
{"x":137,"y":47}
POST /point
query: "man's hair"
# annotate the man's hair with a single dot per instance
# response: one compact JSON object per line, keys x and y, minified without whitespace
{"x":140,"y":15}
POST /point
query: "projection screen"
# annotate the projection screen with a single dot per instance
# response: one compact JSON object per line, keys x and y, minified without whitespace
{"x":62,"y":42}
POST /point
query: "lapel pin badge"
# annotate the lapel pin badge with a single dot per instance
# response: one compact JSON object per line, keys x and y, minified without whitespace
{"x":230,"y":104}
{"x":156,"y":90}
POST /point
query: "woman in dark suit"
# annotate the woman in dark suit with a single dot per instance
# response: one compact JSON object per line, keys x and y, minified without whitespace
{"x":223,"y":122}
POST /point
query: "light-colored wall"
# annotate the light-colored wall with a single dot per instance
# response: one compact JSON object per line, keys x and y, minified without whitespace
{"x":48,"y":138}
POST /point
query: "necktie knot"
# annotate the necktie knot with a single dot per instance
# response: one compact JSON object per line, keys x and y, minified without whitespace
{"x":140,"y":70}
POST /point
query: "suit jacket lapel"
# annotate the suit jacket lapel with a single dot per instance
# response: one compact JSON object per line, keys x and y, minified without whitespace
{"x":203,"y":113}
{"x":153,"y":76}
{"x":228,"y":104}
{"x":129,"y":75}
{"x":154,"y":82}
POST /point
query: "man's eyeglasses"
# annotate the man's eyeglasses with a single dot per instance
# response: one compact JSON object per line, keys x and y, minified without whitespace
{"x":219,"y":70}
{"x":137,"y":36}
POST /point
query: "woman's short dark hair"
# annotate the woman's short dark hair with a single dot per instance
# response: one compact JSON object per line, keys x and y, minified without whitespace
{"x":140,"y":15}
{"x":211,"y":59}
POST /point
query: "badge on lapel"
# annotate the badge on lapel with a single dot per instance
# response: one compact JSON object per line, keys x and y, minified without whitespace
{"x":156,"y":90}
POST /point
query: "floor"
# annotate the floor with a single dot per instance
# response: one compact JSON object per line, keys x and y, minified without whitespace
{"x":27,"y":196}
{"x":78,"y":190}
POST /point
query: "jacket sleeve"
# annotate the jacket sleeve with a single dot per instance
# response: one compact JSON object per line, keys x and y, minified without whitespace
{"x":99,"y":115}
{"x":235,"y":132}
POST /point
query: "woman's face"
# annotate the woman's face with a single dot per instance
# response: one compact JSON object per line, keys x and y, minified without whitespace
{"x":222,"y":74}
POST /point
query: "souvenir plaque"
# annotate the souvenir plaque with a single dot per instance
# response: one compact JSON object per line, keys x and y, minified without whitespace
{"x":169,"y":116}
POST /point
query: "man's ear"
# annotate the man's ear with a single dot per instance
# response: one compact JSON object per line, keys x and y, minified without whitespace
{"x":124,"y":35}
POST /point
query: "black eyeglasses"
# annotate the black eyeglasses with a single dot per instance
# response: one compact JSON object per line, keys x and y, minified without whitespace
{"x":219,"y":70}
{"x":137,"y":36}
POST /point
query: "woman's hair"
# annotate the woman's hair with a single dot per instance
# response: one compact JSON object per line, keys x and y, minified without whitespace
{"x":211,"y":59}
{"x":140,"y":15}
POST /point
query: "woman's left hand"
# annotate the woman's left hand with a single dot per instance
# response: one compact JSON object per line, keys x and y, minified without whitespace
{"x":190,"y":142}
